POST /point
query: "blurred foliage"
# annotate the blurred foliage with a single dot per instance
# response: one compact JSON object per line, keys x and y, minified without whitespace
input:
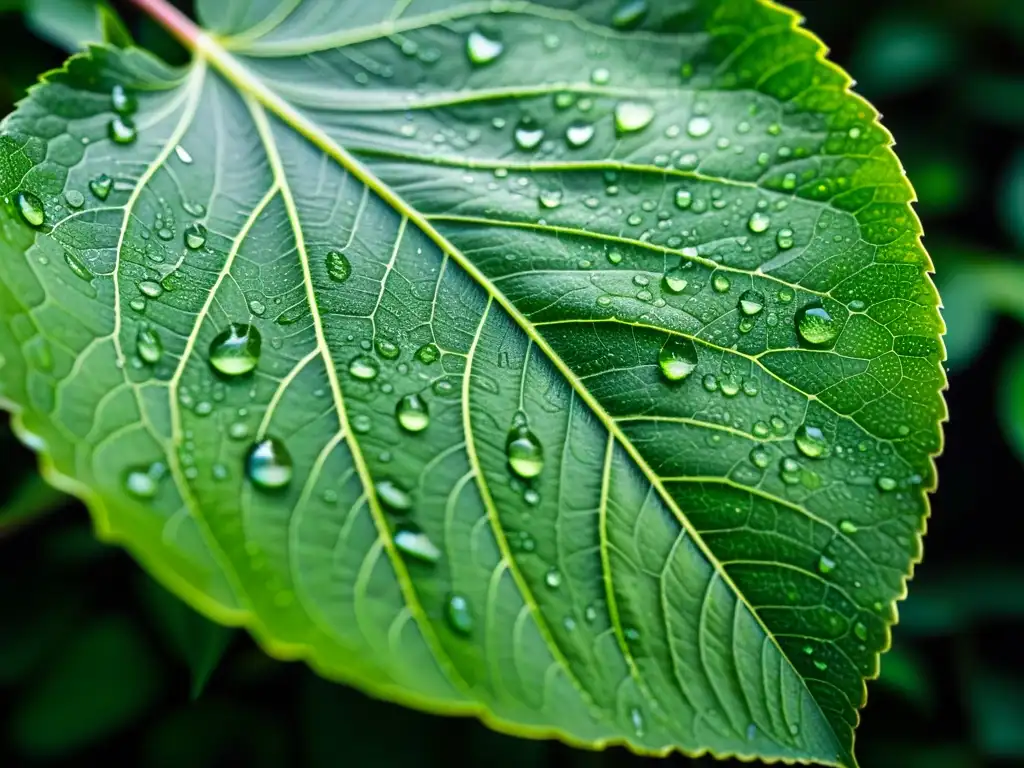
{"x":98,"y":664}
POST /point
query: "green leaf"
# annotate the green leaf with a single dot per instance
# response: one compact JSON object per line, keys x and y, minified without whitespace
{"x":102,"y":679}
{"x":572,"y":364}
{"x":68,"y":24}
{"x":1011,"y":400}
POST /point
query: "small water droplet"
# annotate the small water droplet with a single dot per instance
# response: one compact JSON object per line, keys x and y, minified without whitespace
{"x":122,"y":100}
{"x":759,"y":457}
{"x":758,"y":222}
{"x":553,"y":578}
{"x":392,"y":496}
{"x":578,"y":134}
{"x":810,"y":441}
{"x":141,"y":483}
{"x":121,"y":130}
{"x":458,"y":614}
{"x":78,"y":267}
{"x":636,"y":717}
{"x":482,"y":49}
{"x":195,"y":236}
{"x":815,"y":326}
{"x":151,"y":288}
{"x":751,"y":302}
{"x":886,"y":484}
{"x":101,"y":186}
{"x":720,"y":283}
{"x":684,"y":199}
{"x":820,"y":665}
{"x":149,"y":346}
{"x":550,"y":198}
{"x":848,"y":527}
{"x":678,"y":358}
{"x":860,"y":631}
{"x":182,"y":154}
{"x":525,"y":453}
{"x":784,"y":239}
{"x":338,"y":267}
{"x":428,"y":353}
{"x":826,"y":564}
{"x":416,"y":544}
{"x":528,"y":135}
{"x":674,"y":280}
{"x":386,"y":349}
{"x":30,"y":208}
{"x":364,"y":368}
{"x":632,"y":116}
{"x":412,"y":413}
{"x":236,"y":350}
{"x":629,"y":14}
{"x":268,"y":464}
{"x":74,"y":198}
{"x":257,"y":307}
{"x":698,"y":127}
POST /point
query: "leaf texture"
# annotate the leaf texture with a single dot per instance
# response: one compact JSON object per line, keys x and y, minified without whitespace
{"x":662,"y":246}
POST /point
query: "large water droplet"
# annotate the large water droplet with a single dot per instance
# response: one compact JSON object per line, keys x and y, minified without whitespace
{"x":101,"y":186}
{"x":678,"y":358}
{"x":458,"y":614}
{"x":122,"y":100}
{"x":386,"y":349}
{"x":482,"y":49}
{"x":698,"y":127}
{"x":428,"y":353}
{"x":338,"y":267}
{"x":149,"y":346}
{"x":525,"y":453}
{"x":751,"y":302}
{"x":578,"y":133}
{"x":392,"y":496}
{"x":236,"y":350}
{"x":364,"y":368}
{"x":811,"y":441}
{"x":631,"y":116}
{"x":758,"y":222}
{"x":151,"y":288}
{"x":759,"y":457}
{"x":78,"y":267}
{"x":195,"y":236}
{"x":31,"y":208}
{"x":528,"y":135}
{"x":412,"y":413}
{"x":268,"y":464}
{"x":416,"y":544}
{"x":74,"y":198}
{"x":815,"y":326}
{"x":121,"y":130}
{"x":720,"y":283}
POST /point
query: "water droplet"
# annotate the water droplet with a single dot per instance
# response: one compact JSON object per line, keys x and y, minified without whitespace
{"x":578,"y":133}
{"x":30,"y":208}
{"x":183,"y":155}
{"x":720,"y":283}
{"x":810,"y":441}
{"x":74,"y":198}
{"x":678,"y":358}
{"x":416,"y":544}
{"x":684,"y":199}
{"x":428,"y":353}
{"x":710,"y":382}
{"x":528,"y":135}
{"x":826,"y":564}
{"x":149,"y":346}
{"x":236,"y":350}
{"x":751,"y":302}
{"x":785,"y":295}
{"x":268,"y":464}
{"x":631,"y":116}
{"x":600,"y":76}
{"x":848,"y":527}
{"x":758,"y":222}
{"x":412,"y":413}
{"x":815,"y":326}
{"x":860,"y":631}
{"x":550,"y":198}
{"x":392,"y":496}
{"x":886,"y":484}
{"x":673,"y":281}
{"x":482,"y":49}
{"x":386,"y":349}
{"x":141,"y":483}
{"x":458,"y":615}
{"x":629,"y":14}
{"x":257,"y":307}
{"x":101,"y":186}
{"x":698,"y":127}
{"x":338,"y":267}
{"x":821,"y":665}
{"x":78,"y":267}
{"x":121,"y":130}
{"x":784,"y":239}
{"x":195,"y":236}
{"x":553,"y":579}
{"x":364,"y":368}
{"x":151,"y":288}
{"x":138,"y":304}
{"x":636,"y":717}
{"x":759,"y":457}
{"x":525,"y":453}
{"x":122,"y":100}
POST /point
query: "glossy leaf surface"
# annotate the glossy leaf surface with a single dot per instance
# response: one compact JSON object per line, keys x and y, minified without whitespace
{"x":573,"y":364}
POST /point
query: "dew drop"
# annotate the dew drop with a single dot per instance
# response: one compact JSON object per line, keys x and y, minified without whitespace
{"x":149,"y":346}
{"x":101,"y":186}
{"x":387,"y":349}
{"x":392,"y":496}
{"x":235,"y":351}
{"x":458,"y":615}
{"x":720,"y":283}
{"x":673,"y":281}
{"x":553,"y":579}
{"x":784,"y":239}
{"x":412,"y":413}
{"x":338,"y":267}
{"x":810,"y":441}
{"x":121,"y":130}
{"x":578,"y":134}
{"x":848,"y":527}
{"x":528,"y":135}
{"x":751,"y":302}
{"x":636,"y":717}
{"x":550,"y":198}
{"x":30,"y":208}
{"x":758,"y":222}
{"x":151,"y":288}
{"x":417,"y":545}
{"x":74,"y":198}
{"x":482,"y":49}
{"x":600,"y":76}
{"x":122,"y":100}
{"x":268,"y":464}
{"x":364,"y":368}
{"x":886,"y":484}
{"x":525,"y":453}
{"x":629,"y":14}
{"x":428,"y":353}
{"x":815,"y":326}
{"x":759,"y":457}
{"x":860,"y":631}
{"x":182,"y":154}
{"x":632,"y":116}
{"x":698,"y":127}
{"x":77,"y":267}
{"x":684,"y":199}
{"x":826,"y":564}
{"x":141,"y":483}
{"x":678,"y":358}
{"x":195,"y":236}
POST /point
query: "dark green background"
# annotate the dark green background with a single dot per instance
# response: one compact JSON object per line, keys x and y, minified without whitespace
{"x":99,"y":664}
